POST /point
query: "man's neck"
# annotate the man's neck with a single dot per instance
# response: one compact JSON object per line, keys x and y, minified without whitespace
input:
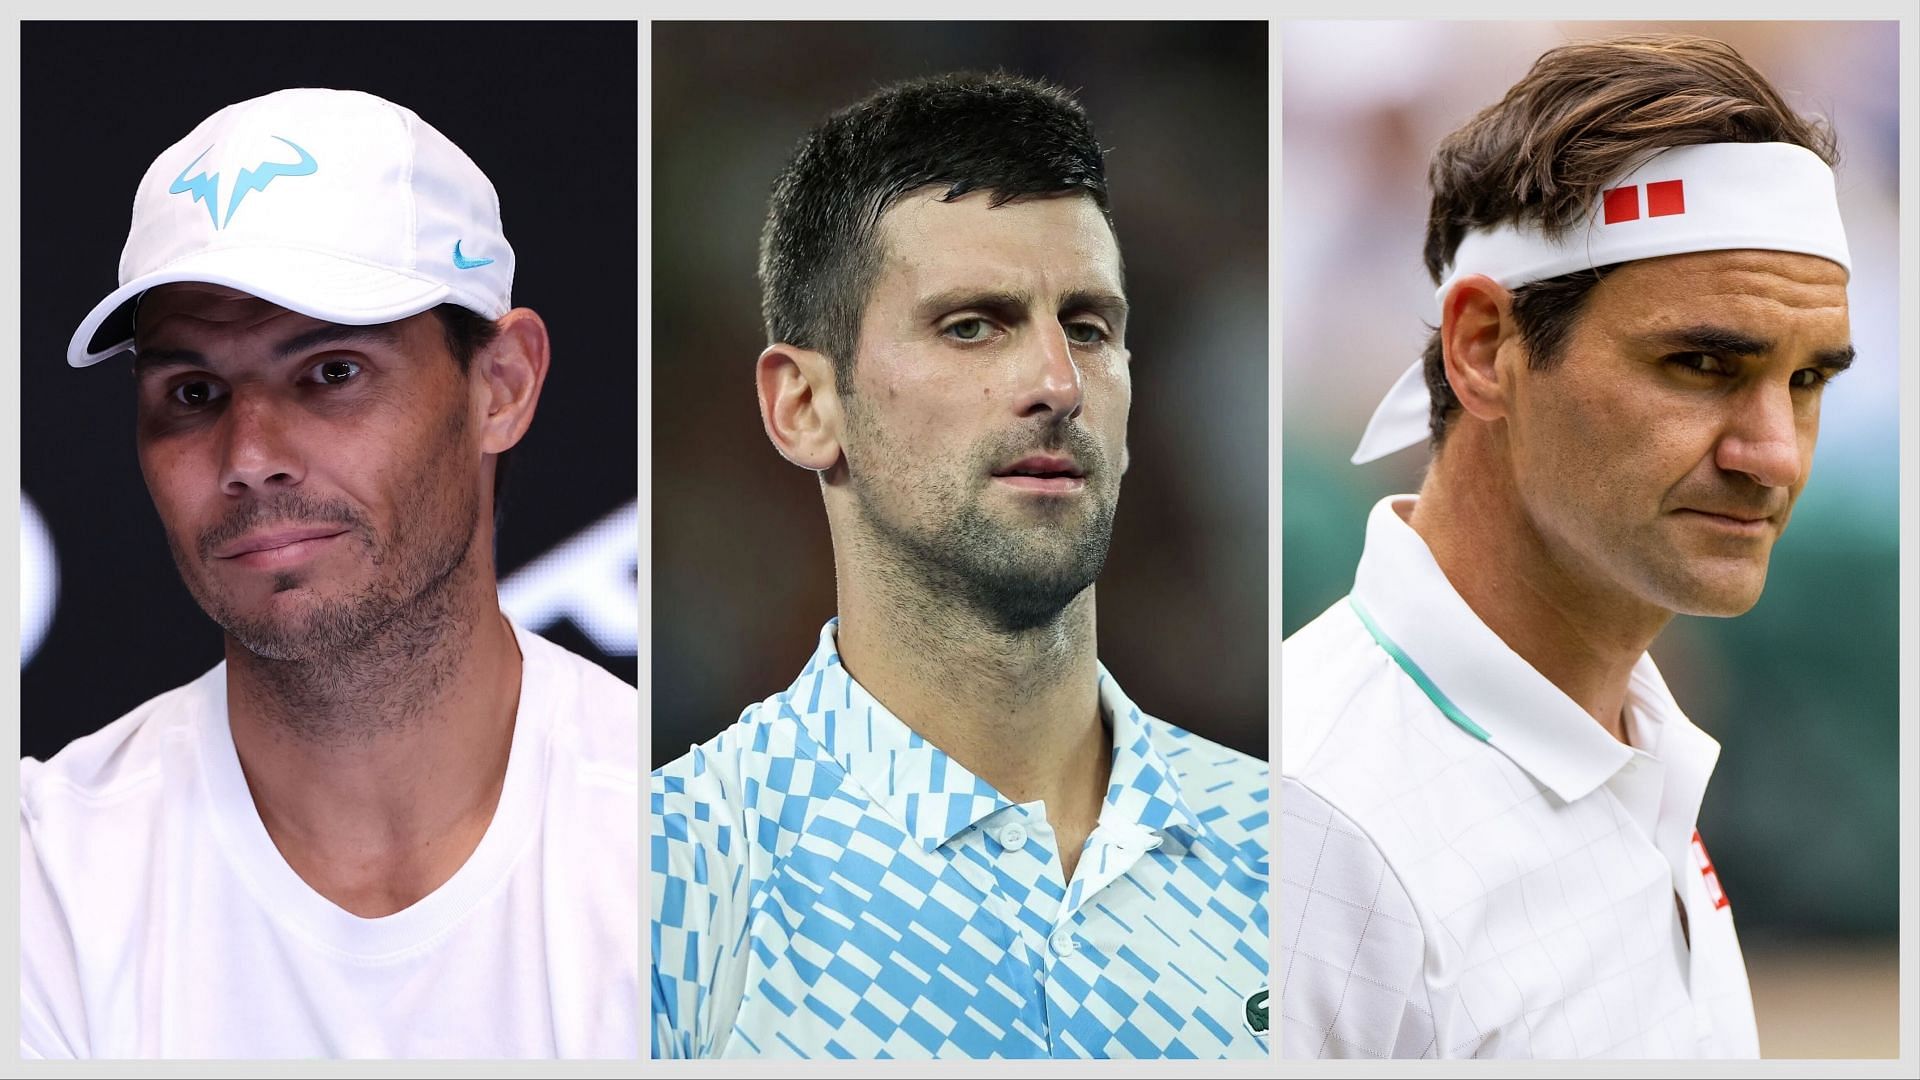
{"x":1585,"y":639}
{"x":376,"y":773}
{"x":1020,"y":710}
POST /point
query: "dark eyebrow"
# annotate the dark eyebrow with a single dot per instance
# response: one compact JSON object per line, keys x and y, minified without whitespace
{"x":994,"y":300}
{"x":335,"y":334}
{"x":1711,"y":339}
{"x":1719,"y":339}
{"x":1109,"y":306}
{"x":1834,"y":360}
{"x":147,"y":359}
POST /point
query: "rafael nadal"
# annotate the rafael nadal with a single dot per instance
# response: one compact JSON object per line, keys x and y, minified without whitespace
{"x":1488,"y":793}
{"x":391,"y":823}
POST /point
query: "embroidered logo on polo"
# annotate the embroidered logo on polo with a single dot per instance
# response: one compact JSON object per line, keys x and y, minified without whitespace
{"x":829,"y":884}
{"x":1256,"y":1018}
{"x":1665,"y":198}
{"x":1712,"y":879}
{"x":204,"y":187}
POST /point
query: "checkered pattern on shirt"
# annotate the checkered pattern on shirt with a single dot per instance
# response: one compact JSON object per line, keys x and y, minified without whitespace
{"x":1437,"y":901}
{"x":828,"y":884}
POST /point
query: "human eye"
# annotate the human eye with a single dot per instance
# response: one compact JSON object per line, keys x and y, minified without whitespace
{"x":1812,"y":378}
{"x":1699,"y":363}
{"x":335,"y":372}
{"x":195,"y":393}
{"x":1086,"y":333}
{"x":970,"y":329}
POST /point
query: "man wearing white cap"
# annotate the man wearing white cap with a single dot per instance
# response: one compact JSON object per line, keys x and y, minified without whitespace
{"x":392,"y":823}
{"x":1488,"y":794}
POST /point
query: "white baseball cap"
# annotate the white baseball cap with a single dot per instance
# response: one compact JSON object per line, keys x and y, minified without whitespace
{"x":336,"y":204}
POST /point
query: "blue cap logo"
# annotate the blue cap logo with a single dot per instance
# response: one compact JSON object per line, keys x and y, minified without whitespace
{"x":205,"y":187}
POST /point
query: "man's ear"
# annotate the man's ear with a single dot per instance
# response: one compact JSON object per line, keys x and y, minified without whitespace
{"x":800,"y":405}
{"x":512,"y":369}
{"x":1476,"y":331}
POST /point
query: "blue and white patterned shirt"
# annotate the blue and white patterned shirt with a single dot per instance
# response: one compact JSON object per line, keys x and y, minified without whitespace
{"x":826,"y":883}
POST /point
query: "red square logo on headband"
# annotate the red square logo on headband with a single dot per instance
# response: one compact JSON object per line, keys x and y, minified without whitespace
{"x":1621,"y":204}
{"x":1666,"y":198}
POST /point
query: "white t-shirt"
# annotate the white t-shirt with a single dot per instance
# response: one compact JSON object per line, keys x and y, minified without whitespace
{"x":1498,"y":882}
{"x":158,"y":919}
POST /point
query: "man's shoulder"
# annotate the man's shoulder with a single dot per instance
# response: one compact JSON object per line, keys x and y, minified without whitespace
{"x":1365,"y":746}
{"x":1229,"y":790}
{"x":766,"y":746}
{"x":1355,"y":722}
{"x":96,"y":818}
{"x":1211,"y":774}
{"x":1352,"y":943}
{"x":122,"y":763}
{"x":596,"y":714}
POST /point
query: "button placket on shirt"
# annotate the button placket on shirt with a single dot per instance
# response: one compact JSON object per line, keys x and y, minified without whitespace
{"x":1008,"y":834}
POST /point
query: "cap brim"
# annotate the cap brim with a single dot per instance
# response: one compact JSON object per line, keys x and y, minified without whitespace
{"x":331,"y":288}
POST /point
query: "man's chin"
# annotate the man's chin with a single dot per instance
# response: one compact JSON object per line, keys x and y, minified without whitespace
{"x":289,"y":624}
{"x":1719,"y":596}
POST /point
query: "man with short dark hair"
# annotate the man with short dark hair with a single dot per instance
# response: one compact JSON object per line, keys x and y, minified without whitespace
{"x":1489,"y":795}
{"x":392,"y":823}
{"x":954,"y":835}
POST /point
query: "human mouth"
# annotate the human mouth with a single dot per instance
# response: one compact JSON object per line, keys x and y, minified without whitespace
{"x":1044,"y":474}
{"x":278,"y":548}
{"x":1738,"y":523}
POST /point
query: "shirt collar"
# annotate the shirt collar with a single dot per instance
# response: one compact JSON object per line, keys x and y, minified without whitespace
{"x":1525,"y":716}
{"x":935,"y":798}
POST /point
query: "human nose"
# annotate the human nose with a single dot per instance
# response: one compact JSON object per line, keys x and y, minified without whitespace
{"x":1052,"y":382}
{"x":259,"y":453}
{"x":1763,"y":439}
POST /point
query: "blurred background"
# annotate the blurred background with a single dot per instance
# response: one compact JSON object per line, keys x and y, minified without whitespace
{"x":105,"y":622}
{"x":742,"y":570}
{"x":1802,"y":692}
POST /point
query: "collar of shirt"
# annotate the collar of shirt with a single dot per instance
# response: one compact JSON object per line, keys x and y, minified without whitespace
{"x":935,"y":798}
{"x":1527,"y":718}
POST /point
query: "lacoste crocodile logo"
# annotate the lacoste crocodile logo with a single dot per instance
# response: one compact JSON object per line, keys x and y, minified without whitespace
{"x":1257,"y":1011}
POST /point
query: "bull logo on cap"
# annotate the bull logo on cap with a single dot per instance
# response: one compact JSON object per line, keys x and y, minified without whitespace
{"x":205,"y":187}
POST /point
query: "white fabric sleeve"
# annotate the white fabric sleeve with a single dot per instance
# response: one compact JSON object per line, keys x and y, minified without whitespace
{"x":53,"y":1020}
{"x":701,"y":893}
{"x":1352,"y":952}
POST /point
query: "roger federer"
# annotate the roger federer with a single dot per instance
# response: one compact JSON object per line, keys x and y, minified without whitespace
{"x":1489,"y":795}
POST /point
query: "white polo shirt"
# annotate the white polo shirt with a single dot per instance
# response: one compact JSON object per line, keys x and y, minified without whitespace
{"x":1471,"y":866}
{"x":826,"y":883}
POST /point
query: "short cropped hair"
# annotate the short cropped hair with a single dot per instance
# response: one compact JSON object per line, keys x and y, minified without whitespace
{"x":998,"y":133}
{"x":1585,"y":114}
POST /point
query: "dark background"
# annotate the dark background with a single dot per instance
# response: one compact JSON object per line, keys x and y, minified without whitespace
{"x":742,"y":570}
{"x":548,"y":113}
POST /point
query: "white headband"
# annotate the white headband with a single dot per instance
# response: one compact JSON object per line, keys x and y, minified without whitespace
{"x":1709,"y":197}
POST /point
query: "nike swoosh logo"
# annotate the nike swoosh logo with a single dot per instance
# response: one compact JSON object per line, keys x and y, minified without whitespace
{"x":463,"y":263}
{"x":257,"y":179}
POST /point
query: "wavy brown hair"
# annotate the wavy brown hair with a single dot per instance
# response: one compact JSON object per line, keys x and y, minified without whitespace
{"x":1584,"y":115}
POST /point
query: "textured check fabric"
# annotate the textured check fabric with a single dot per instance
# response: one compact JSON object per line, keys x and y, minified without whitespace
{"x":826,"y":883}
{"x":1446,"y":897}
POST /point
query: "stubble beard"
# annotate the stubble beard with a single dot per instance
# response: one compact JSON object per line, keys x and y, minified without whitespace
{"x":378,"y":645}
{"x":1014,"y":577}
{"x":404,"y":593}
